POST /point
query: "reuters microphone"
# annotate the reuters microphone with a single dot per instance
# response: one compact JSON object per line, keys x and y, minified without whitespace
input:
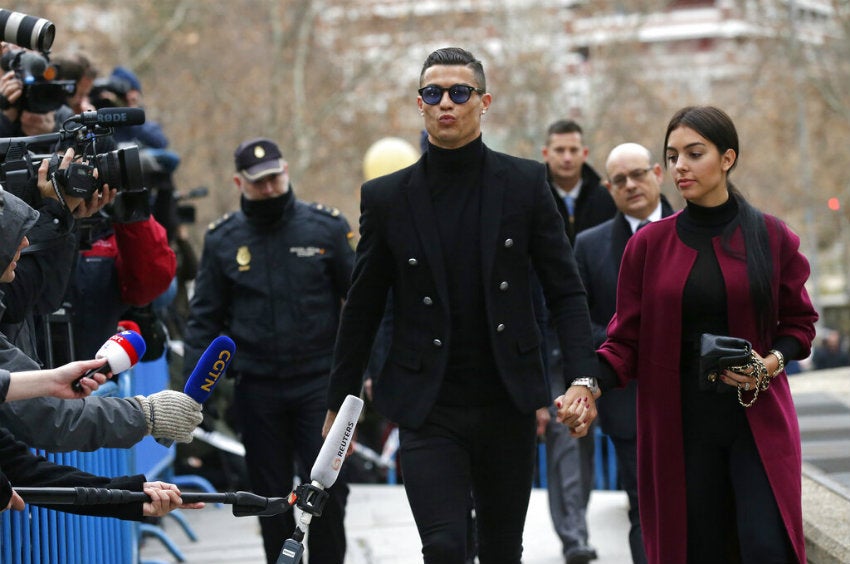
{"x":122,"y":351}
{"x":209,"y":370}
{"x":329,"y":461}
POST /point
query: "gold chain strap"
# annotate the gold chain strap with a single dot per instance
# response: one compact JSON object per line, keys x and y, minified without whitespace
{"x":759,"y":370}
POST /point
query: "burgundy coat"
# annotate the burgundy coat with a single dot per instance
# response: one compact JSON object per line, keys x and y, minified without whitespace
{"x":644,"y":342}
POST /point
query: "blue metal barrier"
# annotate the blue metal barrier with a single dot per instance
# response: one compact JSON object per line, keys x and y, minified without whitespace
{"x":37,"y":535}
{"x":605,"y":461}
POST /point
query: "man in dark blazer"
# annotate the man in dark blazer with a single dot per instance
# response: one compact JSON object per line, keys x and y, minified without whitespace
{"x":634,"y":182}
{"x":455,"y":237}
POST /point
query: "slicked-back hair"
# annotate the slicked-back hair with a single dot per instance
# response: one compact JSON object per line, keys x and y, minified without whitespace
{"x":716,"y":126}
{"x":455,"y":56}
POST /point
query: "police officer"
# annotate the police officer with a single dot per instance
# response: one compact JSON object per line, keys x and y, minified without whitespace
{"x":273,"y":277}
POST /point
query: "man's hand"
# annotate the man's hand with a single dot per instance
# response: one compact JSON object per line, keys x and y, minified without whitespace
{"x":576,"y":409}
{"x":11,"y":89}
{"x":171,"y":415}
{"x":87,"y":208}
{"x":543,"y":417}
{"x":165,"y":498}
{"x":16,"y":502}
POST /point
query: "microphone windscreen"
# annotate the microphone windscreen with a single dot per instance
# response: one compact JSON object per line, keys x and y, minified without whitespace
{"x":210,"y":368}
{"x":119,"y":117}
{"x":332,"y":455}
{"x":122,"y":350}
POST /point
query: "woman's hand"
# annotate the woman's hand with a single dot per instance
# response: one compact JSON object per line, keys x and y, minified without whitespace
{"x":746,"y":380}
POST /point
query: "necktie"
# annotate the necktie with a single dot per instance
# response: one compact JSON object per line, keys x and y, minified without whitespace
{"x":641,"y":225}
{"x":570,"y":203}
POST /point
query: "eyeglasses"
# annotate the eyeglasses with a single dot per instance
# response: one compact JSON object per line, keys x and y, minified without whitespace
{"x":459,"y":93}
{"x":638,"y":174}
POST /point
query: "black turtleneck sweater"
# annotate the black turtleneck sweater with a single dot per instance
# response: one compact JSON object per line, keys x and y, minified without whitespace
{"x":454,"y":182}
{"x":704,"y":310}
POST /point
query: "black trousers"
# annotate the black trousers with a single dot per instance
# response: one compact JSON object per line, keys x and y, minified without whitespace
{"x":488,"y":450}
{"x":281,"y":426}
{"x":732,"y":512}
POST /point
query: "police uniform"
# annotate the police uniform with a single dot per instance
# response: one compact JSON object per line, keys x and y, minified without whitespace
{"x":276,"y":288}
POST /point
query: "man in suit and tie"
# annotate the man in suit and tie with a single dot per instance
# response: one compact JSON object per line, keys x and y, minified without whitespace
{"x":634,"y":182}
{"x":579,"y":193}
{"x":455,"y":237}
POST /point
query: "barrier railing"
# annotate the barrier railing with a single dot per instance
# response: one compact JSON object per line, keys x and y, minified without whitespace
{"x":37,"y":535}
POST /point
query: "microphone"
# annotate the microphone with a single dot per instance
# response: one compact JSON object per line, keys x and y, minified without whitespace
{"x":209,"y":370}
{"x":122,"y":351}
{"x":329,"y":461}
{"x":112,"y":117}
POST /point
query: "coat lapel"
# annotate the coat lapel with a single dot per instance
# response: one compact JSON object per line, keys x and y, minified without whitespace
{"x":493,"y":186}
{"x":425,"y":224}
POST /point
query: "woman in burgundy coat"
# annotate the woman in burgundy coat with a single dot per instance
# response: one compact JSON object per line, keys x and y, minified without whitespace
{"x":718,"y":481}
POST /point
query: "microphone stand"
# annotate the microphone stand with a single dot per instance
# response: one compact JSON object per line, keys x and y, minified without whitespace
{"x":244,"y":503}
{"x":310,"y":499}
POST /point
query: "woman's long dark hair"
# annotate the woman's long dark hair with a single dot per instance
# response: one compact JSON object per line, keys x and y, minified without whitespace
{"x":716,"y":126}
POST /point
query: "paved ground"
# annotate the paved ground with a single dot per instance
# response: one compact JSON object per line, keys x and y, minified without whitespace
{"x":381,"y":531}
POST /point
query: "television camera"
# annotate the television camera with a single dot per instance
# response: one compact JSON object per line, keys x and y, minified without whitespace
{"x":119,"y":168}
{"x":41,"y":93}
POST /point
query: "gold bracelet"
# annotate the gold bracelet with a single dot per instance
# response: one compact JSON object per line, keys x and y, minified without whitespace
{"x":781,"y":358}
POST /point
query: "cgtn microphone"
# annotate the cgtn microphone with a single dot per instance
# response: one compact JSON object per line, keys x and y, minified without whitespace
{"x":122,"y":351}
{"x":210,"y":368}
{"x":332,"y":455}
{"x":208,"y":371}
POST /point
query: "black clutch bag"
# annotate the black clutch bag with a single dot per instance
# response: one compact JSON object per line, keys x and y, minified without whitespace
{"x":718,"y":353}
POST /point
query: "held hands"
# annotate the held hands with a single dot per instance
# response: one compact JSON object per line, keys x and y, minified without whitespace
{"x":165,"y":498}
{"x":576,"y":409}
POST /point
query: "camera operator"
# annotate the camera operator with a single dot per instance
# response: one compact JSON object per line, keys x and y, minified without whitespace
{"x":78,"y":67}
{"x":123,"y":88}
{"x":62,"y":425}
{"x":23,"y":117}
{"x":45,"y":267}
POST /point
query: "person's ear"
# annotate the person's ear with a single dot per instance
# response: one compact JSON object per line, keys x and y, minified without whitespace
{"x":728,"y":159}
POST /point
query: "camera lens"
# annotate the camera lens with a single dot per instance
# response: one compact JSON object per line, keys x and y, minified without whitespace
{"x":26,"y":31}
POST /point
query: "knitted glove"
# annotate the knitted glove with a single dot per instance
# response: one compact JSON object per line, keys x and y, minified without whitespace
{"x":171,"y":415}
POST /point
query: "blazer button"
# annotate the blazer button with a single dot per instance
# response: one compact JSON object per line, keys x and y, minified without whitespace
{"x":504,"y":286}
{"x":412,"y":261}
{"x":509,"y":242}
{"x":427,"y":301}
{"x":437,"y":343}
{"x":500,"y":327}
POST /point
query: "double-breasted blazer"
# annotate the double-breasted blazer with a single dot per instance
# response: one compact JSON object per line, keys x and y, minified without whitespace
{"x":399,"y":250}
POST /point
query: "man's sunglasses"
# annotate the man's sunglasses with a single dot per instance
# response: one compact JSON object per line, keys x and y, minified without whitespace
{"x":459,"y":93}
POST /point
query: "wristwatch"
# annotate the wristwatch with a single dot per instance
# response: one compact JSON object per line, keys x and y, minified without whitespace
{"x":588,"y":382}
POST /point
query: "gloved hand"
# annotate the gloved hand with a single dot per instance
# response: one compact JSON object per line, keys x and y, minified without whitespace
{"x":171,"y":415}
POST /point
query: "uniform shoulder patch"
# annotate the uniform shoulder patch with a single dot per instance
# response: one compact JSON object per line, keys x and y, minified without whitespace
{"x":327,"y":210}
{"x":215,"y":224}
